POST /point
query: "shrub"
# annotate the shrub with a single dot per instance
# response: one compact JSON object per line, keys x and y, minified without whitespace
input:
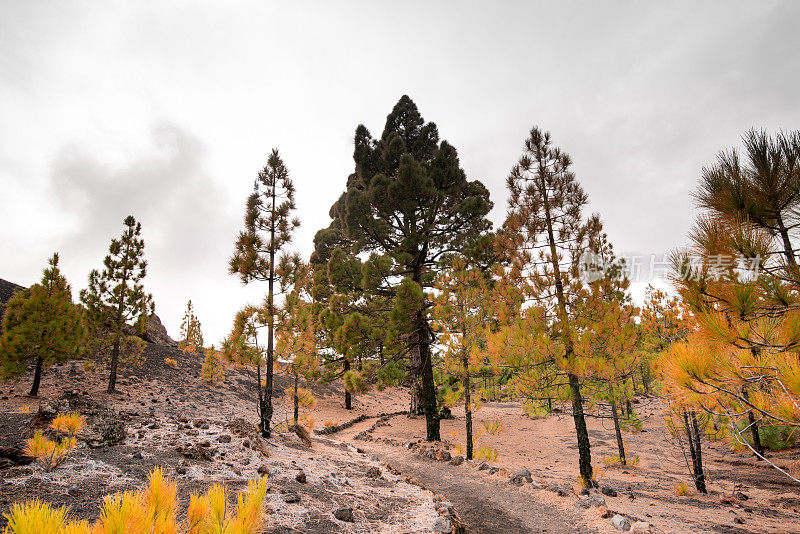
{"x":614,"y":460}
{"x":330,"y":424}
{"x":172,"y":363}
{"x":486,"y":454}
{"x":152,"y":509}
{"x":70,"y":424}
{"x":682,"y":490}
{"x":493,"y":427}
{"x":48,"y":454}
{"x":212,"y":370}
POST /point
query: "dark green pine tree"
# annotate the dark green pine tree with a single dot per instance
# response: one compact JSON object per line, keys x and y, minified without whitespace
{"x":116,"y":297}
{"x":410,"y":204}
{"x":42,"y":324}
{"x":268,"y":228}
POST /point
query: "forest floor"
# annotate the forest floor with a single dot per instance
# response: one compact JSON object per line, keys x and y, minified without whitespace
{"x":203,"y":434}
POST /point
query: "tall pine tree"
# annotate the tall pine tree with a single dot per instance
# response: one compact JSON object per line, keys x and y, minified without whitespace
{"x":41,"y":323}
{"x":268,"y":228}
{"x":116,"y":297}
{"x":410,"y":203}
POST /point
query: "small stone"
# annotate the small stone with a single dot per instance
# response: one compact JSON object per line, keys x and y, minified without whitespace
{"x":138,"y":455}
{"x":224,"y":438}
{"x":374,"y":472}
{"x":604,"y":512}
{"x":73,"y":491}
{"x":344,"y":514}
{"x":263,"y":469}
{"x":585,"y":492}
{"x":561,"y":491}
{"x":738,"y":520}
{"x":483,"y":467}
{"x":291,"y":498}
{"x":741,"y":496}
{"x":521,"y":477}
{"x":593,"y":501}
{"x":301,"y":477}
{"x":620,"y":523}
{"x":457,"y":460}
{"x":153,"y":426}
{"x":608,"y":491}
{"x":641,"y":527}
{"x":181,"y":470}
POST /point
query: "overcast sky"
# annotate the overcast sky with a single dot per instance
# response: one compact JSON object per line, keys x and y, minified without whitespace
{"x":167,"y":110}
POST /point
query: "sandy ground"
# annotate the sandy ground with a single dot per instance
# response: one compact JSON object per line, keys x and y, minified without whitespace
{"x":161,"y":406}
{"x":646,"y":492}
{"x":175,"y":421}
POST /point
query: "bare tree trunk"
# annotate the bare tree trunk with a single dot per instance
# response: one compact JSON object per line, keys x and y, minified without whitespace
{"x":751,"y":419}
{"x":467,"y":405}
{"x":37,"y":376}
{"x":112,"y":377}
{"x":693,"y":437}
{"x":348,"y":398}
{"x":620,"y":444}
{"x":296,"y":400}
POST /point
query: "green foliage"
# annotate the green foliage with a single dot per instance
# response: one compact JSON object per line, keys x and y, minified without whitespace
{"x":213,"y":370}
{"x":116,"y":297}
{"x":41,"y":322}
{"x":774,"y":437}
{"x":389,"y":374}
{"x":408,"y":204}
{"x":354,"y":382}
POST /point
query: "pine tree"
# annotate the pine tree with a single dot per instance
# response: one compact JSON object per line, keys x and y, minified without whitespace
{"x":739,"y":280}
{"x":296,"y":333}
{"x":268,"y":228}
{"x":409,"y":203}
{"x":115,"y":297}
{"x":545,"y":237}
{"x":191,"y":331}
{"x":41,"y":323}
{"x":212,"y":370}
{"x":462,"y":314}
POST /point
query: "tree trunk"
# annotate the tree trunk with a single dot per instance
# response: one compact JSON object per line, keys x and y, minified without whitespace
{"x":37,"y":376}
{"x":584,"y":450}
{"x":620,"y":444}
{"x":788,"y":249}
{"x":467,"y":406}
{"x":348,"y":398}
{"x":296,"y":400}
{"x":751,"y":419}
{"x":112,"y":379}
{"x":693,"y":437}
{"x":266,"y":410}
{"x":426,"y":379}
{"x":628,"y":408}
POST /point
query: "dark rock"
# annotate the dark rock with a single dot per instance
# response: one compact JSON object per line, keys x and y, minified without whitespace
{"x":374,"y":472}
{"x":521,"y":477}
{"x":138,"y":455}
{"x":344,"y":514}
{"x":561,"y":491}
{"x":301,"y":477}
{"x":181,"y":470}
{"x":73,"y":491}
{"x":608,"y":491}
{"x":224,"y":438}
{"x":458,"y":460}
{"x":741,"y":496}
{"x":483,"y":467}
{"x":263,"y":469}
{"x":445,"y":413}
{"x":291,"y":498}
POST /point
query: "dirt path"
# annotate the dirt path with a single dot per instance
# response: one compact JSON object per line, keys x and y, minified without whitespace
{"x":486,"y":504}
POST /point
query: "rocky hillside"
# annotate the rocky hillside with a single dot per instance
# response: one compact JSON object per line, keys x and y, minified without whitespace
{"x":200,"y":434}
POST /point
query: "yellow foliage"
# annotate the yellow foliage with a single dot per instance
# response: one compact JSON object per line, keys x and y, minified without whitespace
{"x":70,"y":424}
{"x":172,"y":363}
{"x":35,"y":517}
{"x":23,"y":409}
{"x":682,"y":489}
{"x":485,"y":453}
{"x":48,"y":453}
{"x":152,"y":510}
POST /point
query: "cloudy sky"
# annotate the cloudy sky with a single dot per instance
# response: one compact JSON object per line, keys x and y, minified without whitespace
{"x":166,"y":111}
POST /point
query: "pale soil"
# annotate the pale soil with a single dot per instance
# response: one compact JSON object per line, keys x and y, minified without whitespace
{"x":547,"y":447}
{"x":165,"y":409}
{"x":337,"y":472}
